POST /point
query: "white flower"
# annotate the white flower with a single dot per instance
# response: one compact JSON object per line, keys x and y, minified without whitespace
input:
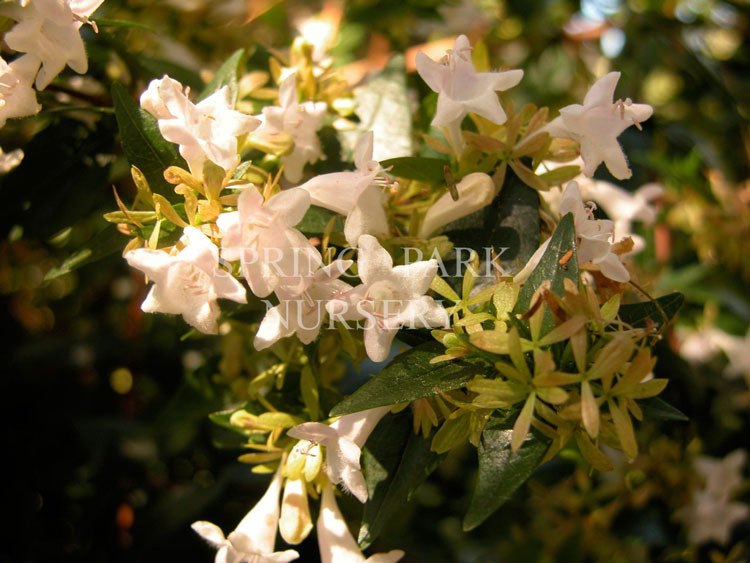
{"x":188,"y":283}
{"x":301,"y":121}
{"x":207,"y":130}
{"x":303,"y":314}
{"x":597,"y":123}
{"x":343,"y":441}
{"x":260,"y":235}
{"x":335,"y":541}
{"x":475,"y":191}
{"x":17,"y":97}
{"x":593,"y":236}
{"x":461,"y":89}
{"x":295,"y":523}
{"x":48,"y":30}
{"x":711,"y":514}
{"x":357,"y":194}
{"x":254,"y":539}
{"x":9,"y":160}
{"x":389,"y":298}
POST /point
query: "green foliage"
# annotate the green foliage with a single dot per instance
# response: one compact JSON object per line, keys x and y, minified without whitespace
{"x":227,"y":75}
{"x":501,"y":471}
{"x":411,"y":376}
{"x":143,"y":144}
{"x":395,"y":462}
{"x":657,"y":312}
{"x":423,"y":169}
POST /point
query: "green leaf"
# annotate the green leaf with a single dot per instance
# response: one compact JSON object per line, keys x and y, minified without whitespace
{"x":143,"y":144}
{"x":501,"y":472}
{"x":395,"y":462}
{"x":423,"y":169}
{"x":411,"y":376}
{"x":316,"y":219}
{"x":550,"y":268}
{"x":658,"y":409}
{"x":383,"y":107}
{"x":104,"y":243}
{"x":105,"y":22}
{"x":638,"y":314}
{"x":227,"y":75}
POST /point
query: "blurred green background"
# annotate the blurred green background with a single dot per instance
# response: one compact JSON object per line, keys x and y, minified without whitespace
{"x":105,"y":431}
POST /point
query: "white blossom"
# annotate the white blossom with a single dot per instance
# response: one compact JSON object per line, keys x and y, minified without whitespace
{"x":49,"y":30}
{"x":301,"y":121}
{"x":475,"y":191}
{"x":343,"y":440}
{"x":188,"y":283}
{"x":261,"y":235}
{"x":17,"y":96}
{"x":254,"y":539}
{"x":461,"y":89}
{"x":207,"y":130}
{"x":303,"y":313}
{"x":389,"y":298}
{"x":9,"y":160}
{"x":356,"y":194}
{"x":712,"y":514}
{"x":597,"y":123}
{"x":335,"y":541}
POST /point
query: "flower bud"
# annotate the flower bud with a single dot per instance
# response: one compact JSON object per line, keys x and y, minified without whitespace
{"x":295,"y":523}
{"x":475,"y":191}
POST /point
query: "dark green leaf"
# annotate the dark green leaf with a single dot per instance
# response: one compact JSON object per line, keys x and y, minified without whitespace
{"x":638,"y":314}
{"x":315,"y":220}
{"x":104,"y":243}
{"x":143,"y":144}
{"x":501,"y":472}
{"x":550,"y":268}
{"x":395,"y":462}
{"x":227,"y":75}
{"x":411,"y":376}
{"x":428,"y":170}
{"x":105,"y":22}
{"x":658,"y":409}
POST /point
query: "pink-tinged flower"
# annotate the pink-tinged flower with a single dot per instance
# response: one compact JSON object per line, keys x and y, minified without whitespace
{"x":17,"y":96}
{"x":188,"y":283}
{"x":475,"y":191}
{"x":343,"y":441}
{"x":9,"y":160}
{"x":260,"y":234}
{"x":461,"y":89}
{"x":254,"y":539}
{"x":597,"y":123}
{"x":303,"y":313}
{"x":357,"y":194}
{"x":593,"y":236}
{"x":207,"y":130}
{"x":336,"y":542}
{"x":301,"y":121}
{"x":389,"y":298}
{"x":49,"y":30}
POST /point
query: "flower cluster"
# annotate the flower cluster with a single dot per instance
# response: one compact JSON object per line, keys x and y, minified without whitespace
{"x":328,"y":256}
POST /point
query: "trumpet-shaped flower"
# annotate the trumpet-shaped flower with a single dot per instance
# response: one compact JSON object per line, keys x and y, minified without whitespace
{"x":711,"y":514}
{"x":597,"y":123}
{"x":188,"y":283}
{"x":273,"y":254}
{"x":207,"y":130}
{"x":254,"y":539}
{"x":17,"y":97}
{"x":336,"y":542}
{"x":356,"y":194}
{"x":594,"y":236}
{"x":49,"y":30}
{"x":343,"y":441}
{"x":303,"y":314}
{"x":389,"y":298}
{"x":461,"y":89}
{"x":301,"y":121}
{"x":475,"y":191}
